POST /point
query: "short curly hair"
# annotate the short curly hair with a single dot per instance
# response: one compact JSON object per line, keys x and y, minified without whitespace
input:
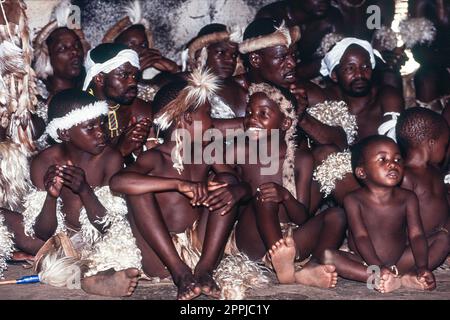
{"x":418,"y":125}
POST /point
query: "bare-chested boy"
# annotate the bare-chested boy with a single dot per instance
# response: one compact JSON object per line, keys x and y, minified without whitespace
{"x":162,"y":213}
{"x":382,"y":218}
{"x":71,"y":196}
{"x":276,"y":222}
{"x":423,"y":136}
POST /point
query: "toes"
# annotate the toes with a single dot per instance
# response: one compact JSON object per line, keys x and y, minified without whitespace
{"x":132,"y":273}
{"x":330,"y":268}
{"x":289,"y":242}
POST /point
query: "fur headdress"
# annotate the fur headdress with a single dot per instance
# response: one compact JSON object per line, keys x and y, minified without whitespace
{"x":14,"y":176}
{"x":417,"y":31}
{"x":17,"y":78}
{"x":202,"y":86}
{"x":233,"y":34}
{"x":134,"y":15}
{"x":42,"y":59}
{"x":282,"y":36}
{"x":288,"y":110}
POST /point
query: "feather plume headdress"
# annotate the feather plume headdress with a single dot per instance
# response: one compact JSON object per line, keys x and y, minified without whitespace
{"x":42,"y":59}
{"x":17,"y":78}
{"x":417,"y":31}
{"x":134,"y":15}
{"x":289,"y":111}
{"x":233,"y":34}
{"x":283,"y":36}
{"x":202,"y":86}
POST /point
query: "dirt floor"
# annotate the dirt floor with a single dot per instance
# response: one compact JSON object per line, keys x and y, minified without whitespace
{"x":346,"y":290}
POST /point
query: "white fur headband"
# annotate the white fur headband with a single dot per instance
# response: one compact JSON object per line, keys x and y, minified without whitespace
{"x":333,"y":57}
{"x":75,"y":117}
{"x":93,"y":69}
{"x":282,"y":36}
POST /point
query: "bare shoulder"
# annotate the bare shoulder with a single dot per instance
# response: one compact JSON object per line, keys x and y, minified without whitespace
{"x":391,"y":99}
{"x":111,"y":154}
{"x":47,"y":156}
{"x":406,"y":196}
{"x":315,"y":93}
{"x":354,"y":197}
{"x":142,"y":109}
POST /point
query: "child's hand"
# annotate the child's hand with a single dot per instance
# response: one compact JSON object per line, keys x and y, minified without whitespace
{"x":429,"y":278}
{"x":223,"y":200}
{"x":198,"y":191}
{"x":73,"y":178}
{"x":52,"y":182}
{"x":272,"y":192}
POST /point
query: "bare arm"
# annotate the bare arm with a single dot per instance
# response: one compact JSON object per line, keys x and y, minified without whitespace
{"x":134,"y":180}
{"x":359,"y":231}
{"x":391,"y":101}
{"x":46,"y":222}
{"x":298,"y":209}
{"x":416,"y":234}
{"x":309,"y":94}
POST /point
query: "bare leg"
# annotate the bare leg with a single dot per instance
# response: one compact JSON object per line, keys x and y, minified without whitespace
{"x":112,"y":283}
{"x":332,"y":233}
{"x":150,"y":224}
{"x":350,"y":266}
{"x":215,"y":230}
{"x":267,"y":221}
{"x":438,"y":248}
{"x":14,"y":222}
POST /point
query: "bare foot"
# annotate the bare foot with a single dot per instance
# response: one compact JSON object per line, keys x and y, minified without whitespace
{"x":282,"y":255}
{"x":411,"y":281}
{"x":317,"y":275}
{"x":207,"y":284}
{"x":112,"y":283}
{"x":389,"y":283}
{"x":187,"y":287}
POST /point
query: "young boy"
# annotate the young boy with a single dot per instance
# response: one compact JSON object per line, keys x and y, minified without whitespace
{"x":71,"y":196}
{"x":382,"y":218}
{"x":423,"y":136}
{"x":276,"y":222}
{"x":174,"y":234}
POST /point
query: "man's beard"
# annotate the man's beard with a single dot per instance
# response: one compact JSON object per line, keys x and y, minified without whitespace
{"x":361,"y":92}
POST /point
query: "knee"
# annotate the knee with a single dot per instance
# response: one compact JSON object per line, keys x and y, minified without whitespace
{"x":336,"y":217}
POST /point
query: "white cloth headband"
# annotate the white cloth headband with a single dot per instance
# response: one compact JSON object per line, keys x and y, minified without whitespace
{"x":333,"y":57}
{"x":93,"y":69}
{"x":75,"y":117}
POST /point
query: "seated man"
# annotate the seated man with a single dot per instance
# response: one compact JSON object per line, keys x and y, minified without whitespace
{"x":134,"y":31}
{"x":316,"y":18}
{"x":71,"y":198}
{"x":349,"y":64}
{"x":112,"y":71}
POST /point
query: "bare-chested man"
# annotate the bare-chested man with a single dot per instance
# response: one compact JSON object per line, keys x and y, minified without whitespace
{"x":112,"y":72}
